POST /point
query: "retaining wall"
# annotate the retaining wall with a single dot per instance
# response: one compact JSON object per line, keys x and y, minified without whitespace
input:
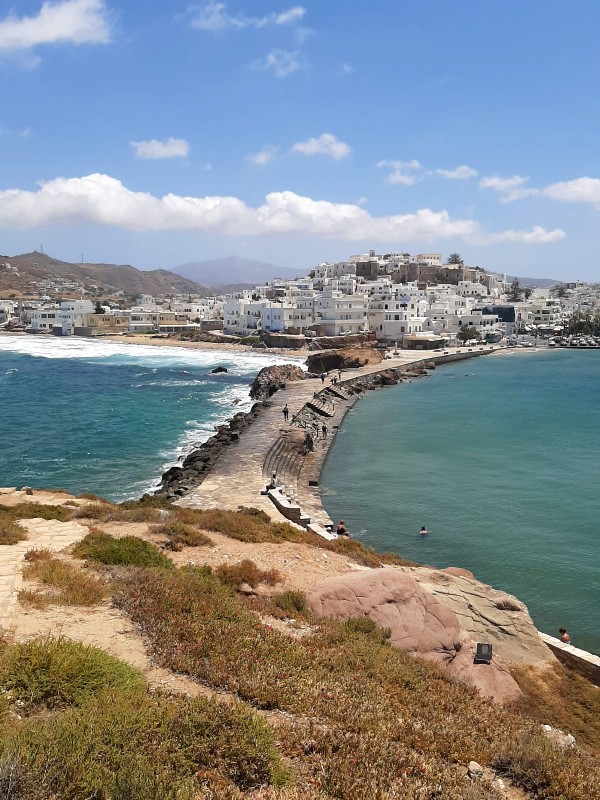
{"x":580,"y":661}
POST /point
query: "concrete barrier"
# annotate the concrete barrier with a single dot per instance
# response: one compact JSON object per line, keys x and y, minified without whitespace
{"x":585,"y":664}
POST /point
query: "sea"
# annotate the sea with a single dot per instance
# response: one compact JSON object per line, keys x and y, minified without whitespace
{"x":109,"y":417}
{"x":499,"y":458}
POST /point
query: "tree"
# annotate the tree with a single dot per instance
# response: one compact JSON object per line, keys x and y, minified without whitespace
{"x":515,"y":293}
{"x":528,"y":291}
{"x":455,"y":258}
{"x":466,"y":333}
{"x":98,"y":309}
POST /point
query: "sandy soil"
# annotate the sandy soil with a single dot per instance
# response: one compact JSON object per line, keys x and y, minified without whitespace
{"x":300,"y":565}
{"x":13,"y":497}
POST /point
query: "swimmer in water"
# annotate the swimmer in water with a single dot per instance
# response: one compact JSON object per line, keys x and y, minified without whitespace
{"x":424,"y":531}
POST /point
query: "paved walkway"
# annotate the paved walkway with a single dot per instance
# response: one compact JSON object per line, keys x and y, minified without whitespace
{"x":42,"y":534}
{"x":238,"y":477}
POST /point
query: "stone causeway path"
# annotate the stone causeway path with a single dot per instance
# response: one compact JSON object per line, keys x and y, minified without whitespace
{"x":244,"y":468}
{"x":42,"y":534}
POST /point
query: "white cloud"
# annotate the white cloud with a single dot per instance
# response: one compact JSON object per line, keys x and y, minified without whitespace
{"x":282,"y":62}
{"x":399,"y":174}
{"x":265,"y":156}
{"x":579,"y":190}
{"x":324,"y":145}
{"x":509,"y":189}
{"x":70,"y":21}
{"x":102,"y":200}
{"x":346,"y":69}
{"x":171,"y":148}
{"x":207,"y":167}
{"x":214,"y":17}
{"x":462,"y":173}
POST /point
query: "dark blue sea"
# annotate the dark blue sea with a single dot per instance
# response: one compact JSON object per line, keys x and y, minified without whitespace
{"x":109,"y":418}
{"x":499,"y":458}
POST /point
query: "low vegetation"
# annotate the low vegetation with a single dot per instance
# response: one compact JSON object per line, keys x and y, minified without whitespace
{"x":128,"y":551}
{"x":291,"y":602}
{"x":55,"y":673}
{"x":561,"y":698}
{"x":12,"y":533}
{"x":247,"y":572}
{"x":64,"y":583}
{"x":388,"y":725}
{"x":179,"y":535}
{"x":108,"y":738}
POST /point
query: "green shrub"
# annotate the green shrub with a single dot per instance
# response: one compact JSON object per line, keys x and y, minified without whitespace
{"x":365,"y":626}
{"x":34,"y":510}
{"x":128,"y":551}
{"x":292,"y":602}
{"x":137,"y":747}
{"x":55,"y":673}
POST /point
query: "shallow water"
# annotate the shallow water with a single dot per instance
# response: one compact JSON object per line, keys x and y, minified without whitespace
{"x":498,"y":457}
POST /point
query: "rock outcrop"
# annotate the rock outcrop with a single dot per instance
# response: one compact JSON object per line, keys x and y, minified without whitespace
{"x":432,"y":622}
{"x":271,"y":379}
{"x":326,"y":360}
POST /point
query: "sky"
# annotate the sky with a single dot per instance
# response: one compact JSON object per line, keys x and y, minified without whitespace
{"x":160,"y":132}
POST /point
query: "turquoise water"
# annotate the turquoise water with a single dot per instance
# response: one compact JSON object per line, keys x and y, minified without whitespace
{"x":107,"y":417}
{"x":498,"y":457}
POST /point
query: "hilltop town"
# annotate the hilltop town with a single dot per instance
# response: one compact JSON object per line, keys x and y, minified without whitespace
{"x":396,"y":299}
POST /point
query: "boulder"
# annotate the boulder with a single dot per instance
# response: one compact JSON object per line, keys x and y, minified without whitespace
{"x":419,"y":622}
{"x":217,"y":370}
{"x":270,"y":379}
{"x":352,"y":358}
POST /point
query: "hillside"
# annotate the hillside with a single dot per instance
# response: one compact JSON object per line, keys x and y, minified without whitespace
{"x":251,"y":695}
{"x":30,"y":268}
{"x":234,"y":270}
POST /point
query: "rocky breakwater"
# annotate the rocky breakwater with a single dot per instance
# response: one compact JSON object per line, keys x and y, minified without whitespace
{"x":179,"y":480}
{"x":440,"y":615}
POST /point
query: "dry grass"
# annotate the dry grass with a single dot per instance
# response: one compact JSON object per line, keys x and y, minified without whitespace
{"x":563,"y":699}
{"x":247,"y":572}
{"x":179,"y":535}
{"x":378,"y":723}
{"x":64,"y":583}
{"x":11,"y":533}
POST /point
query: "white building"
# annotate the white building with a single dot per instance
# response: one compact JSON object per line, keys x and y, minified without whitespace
{"x":72,"y":313}
{"x":341,"y":313}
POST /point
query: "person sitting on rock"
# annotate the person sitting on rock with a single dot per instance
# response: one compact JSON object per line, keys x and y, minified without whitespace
{"x":274,"y":482}
{"x":564,"y":636}
{"x":342,"y":530}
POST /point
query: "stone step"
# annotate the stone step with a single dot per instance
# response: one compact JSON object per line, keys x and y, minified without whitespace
{"x":321,"y":407}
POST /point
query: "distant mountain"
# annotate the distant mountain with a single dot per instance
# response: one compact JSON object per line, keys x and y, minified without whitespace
{"x":25,"y":270}
{"x":234,"y":270}
{"x":543,"y":283}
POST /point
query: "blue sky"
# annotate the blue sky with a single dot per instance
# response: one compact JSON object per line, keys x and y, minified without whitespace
{"x":155,"y":133}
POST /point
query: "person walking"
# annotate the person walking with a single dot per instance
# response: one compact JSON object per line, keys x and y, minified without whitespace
{"x":286,"y":412}
{"x":324,"y":430}
{"x":322,"y":376}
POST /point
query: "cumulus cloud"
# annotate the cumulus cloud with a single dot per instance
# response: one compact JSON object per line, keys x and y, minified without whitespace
{"x":102,"y":200}
{"x":579,"y":190}
{"x":462,"y":173}
{"x":324,"y":145}
{"x":403,"y":172}
{"x":509,"y":189}
{"x":281,"y":62}
{"x":263,"y":157}
{"x":171,"y":148}
{"x":214,"y":17}
{"x":70,"y":21}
